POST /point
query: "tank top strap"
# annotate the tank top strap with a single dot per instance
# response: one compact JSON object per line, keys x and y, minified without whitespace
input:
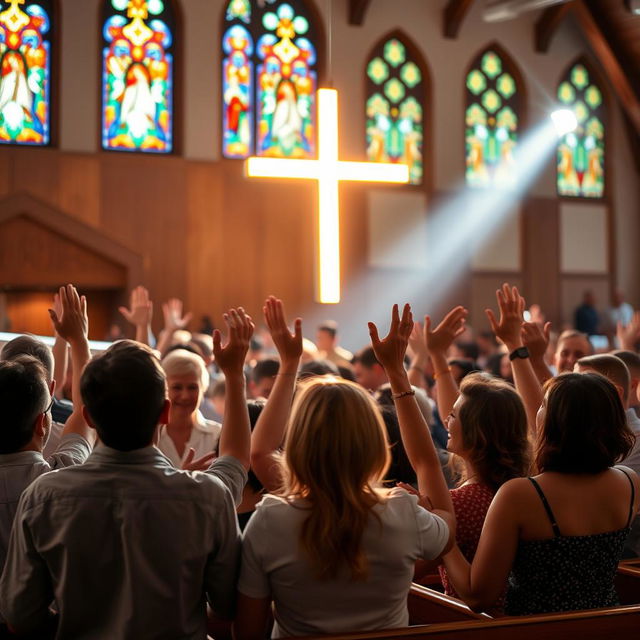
{"x":547,"y":508}
{"x":633,"y":495}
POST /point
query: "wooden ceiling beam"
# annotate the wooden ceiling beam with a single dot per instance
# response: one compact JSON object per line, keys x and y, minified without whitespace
{"x":548,"y":24}
{"x":357,"y":11}
{"x":610,"y":63}
{"x":453,"y":16}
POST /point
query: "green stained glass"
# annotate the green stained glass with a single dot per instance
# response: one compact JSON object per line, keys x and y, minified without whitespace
{"x":300,"y":25}
{"x":579,"y":76}
{"x":410,"y":108}
{"x":566,"y":93}
{"x":491,"y":64}
{"x":394,"y":90}
{"x":376,"y":104}
{"x":378,"y":71}
{"x":476,"y":115}
{"x":476,"y":82}
{"x":581,"y":111}
{"x":156,"y":7}
{"x":506,"y":85}
{"x":119,"y":5}
{"x":595,"y":128}
{"x":394,"y":53}
{"x":491,"y":101}
{"x":593,"y":97}
{"x":410,"y":74}
{"x":507,"y":118}
{"x":270,"y":21}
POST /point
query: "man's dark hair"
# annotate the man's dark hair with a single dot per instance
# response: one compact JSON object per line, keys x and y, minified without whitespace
{"x":24,"y":394}
{"x":265,"y":368}
{"x":330,"y":327}
{"x":318,"y":368}
{"x":631,"y":359}
{"x":30,"y":346}
{"x":469,"y":350}
{"x":612,"y":368}
{"x":124,"y":390}
{"x":366,"y":357}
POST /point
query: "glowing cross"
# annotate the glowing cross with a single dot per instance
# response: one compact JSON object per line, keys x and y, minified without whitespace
{"x":328,"y":171}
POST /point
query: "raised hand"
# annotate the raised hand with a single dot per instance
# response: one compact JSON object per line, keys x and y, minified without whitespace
{"x":440,"y":339}
{"x":289,"y":345}
{"x":390,"y":351}
{"x":536,"y":338}
{"x":173,"y":318}
{"x":73,"y":324}
{"x":140,"y":311}
{"x":629,"y":336}
{"x":191,"y":463}
{"x":511,"y":305}
{"x":417,"y":343}
{"x":230,"y":357}
{"x":57,"y":308}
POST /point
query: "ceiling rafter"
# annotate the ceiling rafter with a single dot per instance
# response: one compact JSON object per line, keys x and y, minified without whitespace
{"x":357,"y":10}
{"x":548,"y":24}
{"x":602,"y":49}
{"x":453,"y":16}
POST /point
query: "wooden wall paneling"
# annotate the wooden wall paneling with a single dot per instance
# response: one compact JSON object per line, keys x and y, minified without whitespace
{"x":6,"y":172}
{"x":37,"y":172}
{"x":79,"y":184}
{"x":541,"y":256}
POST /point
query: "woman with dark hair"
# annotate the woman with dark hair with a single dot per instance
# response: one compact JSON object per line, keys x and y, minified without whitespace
{"x":561,"y":533}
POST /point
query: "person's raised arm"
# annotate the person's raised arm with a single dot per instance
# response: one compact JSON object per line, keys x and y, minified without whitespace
{"x":60,"y":353}
{"x":268,"y":433}
{"x":509,"y":330}
{"x":414,"y":430}
{"x":73,"y":327}
{"x":420,"y":358}
{"x":235,"y":437}
{"x":139,"y":314}
{"x":173,"y":320}
{"x":438,"y":342}
{"x":536,"y":339}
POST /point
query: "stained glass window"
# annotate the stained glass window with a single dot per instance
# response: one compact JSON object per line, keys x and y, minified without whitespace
{"x":581,"y":153}
{"x":137,"y":75}
{"x":394,"y":107}
{"x":269,"y":79}
{"x":492,"y":118}
{"x":25,"y":71}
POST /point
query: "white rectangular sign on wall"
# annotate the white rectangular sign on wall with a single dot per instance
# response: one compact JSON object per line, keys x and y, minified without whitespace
{"x":583,"y":238}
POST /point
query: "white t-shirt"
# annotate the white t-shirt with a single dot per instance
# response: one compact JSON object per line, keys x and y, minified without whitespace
{"x":204,"y":439}
{"x":273,"y":565}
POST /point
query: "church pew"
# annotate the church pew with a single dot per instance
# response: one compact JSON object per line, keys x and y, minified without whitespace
{"x":593,"y":624}
{"x":428,"y":606}
{"x":628,"y":583}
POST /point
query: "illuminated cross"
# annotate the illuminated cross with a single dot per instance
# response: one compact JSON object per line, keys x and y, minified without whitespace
{"x":328,"y":171}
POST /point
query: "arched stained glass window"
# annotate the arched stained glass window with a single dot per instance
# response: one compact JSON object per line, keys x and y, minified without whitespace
{"x":492,"y":119}
{"x":269,"y":79}
{"x":395,"y":107}
{"x":25,"y":71}
{"x":581,"y":153}
{"x":138,"y":75}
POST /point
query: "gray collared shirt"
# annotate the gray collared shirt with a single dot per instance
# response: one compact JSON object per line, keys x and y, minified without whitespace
{"x":127,"y":546}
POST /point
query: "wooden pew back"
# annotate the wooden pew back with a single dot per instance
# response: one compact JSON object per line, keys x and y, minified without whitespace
{"x":427,"y":606}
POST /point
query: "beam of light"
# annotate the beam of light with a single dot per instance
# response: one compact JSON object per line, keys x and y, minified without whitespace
{"x":328,"y":171}
{"x":455,"y":228}
{"x":565,"y":121}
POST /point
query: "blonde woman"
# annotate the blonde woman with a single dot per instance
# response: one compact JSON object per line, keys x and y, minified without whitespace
{"x":188,"y":435}
{"x":332,"y":549}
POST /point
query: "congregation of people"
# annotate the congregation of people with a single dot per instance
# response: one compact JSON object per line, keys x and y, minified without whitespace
{"x":252,"y":481}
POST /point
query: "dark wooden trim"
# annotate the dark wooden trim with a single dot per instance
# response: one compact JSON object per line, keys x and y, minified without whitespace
{"x":357,"y":10}
{"x":453,"y":16}
{"x":578,"y":275}
{"x":547,"y":25}
{"x":23,"y":204}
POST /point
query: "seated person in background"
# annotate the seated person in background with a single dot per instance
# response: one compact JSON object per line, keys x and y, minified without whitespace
{"x":187,"y":434}
{"x":328,"y":347}
{"x":262,"y":378}
{"x":586,"y":315}
{"x":126,"y":532}
{"x":333,"y":549}
{"x":559,"y":535}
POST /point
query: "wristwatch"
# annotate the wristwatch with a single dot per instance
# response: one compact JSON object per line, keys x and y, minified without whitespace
{"x":520,"y":352}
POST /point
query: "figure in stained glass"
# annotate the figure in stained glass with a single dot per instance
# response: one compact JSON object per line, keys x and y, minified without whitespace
{"x":25,"y":72}
{"x":137,"y":104}
{"x":491,"y":122}
{"x":271,"y":84}
{"x":581,"y":153}
{"x":394,"y":108}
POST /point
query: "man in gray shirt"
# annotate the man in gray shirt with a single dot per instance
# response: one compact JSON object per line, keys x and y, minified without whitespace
{"x":127,"y":545}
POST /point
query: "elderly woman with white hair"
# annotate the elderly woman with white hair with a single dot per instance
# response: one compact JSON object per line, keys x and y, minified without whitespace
{"x":187,"y":429}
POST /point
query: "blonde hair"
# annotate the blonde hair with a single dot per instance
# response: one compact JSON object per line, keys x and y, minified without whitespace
{"x":336,"y":456}
{"x":182,"y":362}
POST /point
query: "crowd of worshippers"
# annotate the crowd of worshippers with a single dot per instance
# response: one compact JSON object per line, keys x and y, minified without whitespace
{"x":176,"y":487}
